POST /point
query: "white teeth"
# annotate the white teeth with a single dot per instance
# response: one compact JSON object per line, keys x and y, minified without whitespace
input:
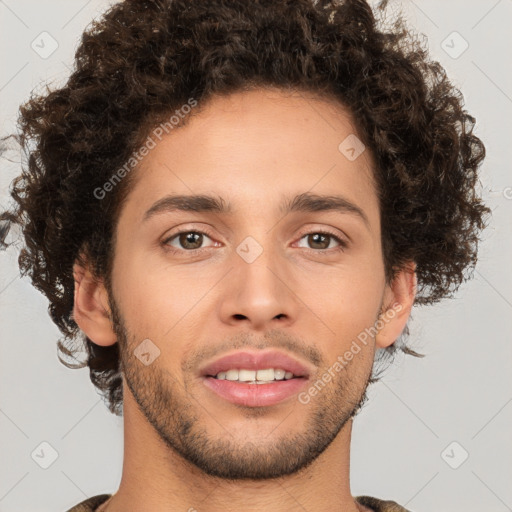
{"x":245,"y":375}
{"x":267,"y":374}
{"x":279,"y":374}
{"x":255,"y":376}
{"x":232,"y":375}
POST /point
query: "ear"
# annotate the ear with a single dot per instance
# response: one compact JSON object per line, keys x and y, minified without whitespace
{"x":397,"y":304}
{"x":91,"y":311}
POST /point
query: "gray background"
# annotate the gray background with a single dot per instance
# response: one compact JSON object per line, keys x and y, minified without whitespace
{"x":402,"y":442}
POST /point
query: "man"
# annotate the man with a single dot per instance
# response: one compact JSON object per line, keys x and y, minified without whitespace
{"x":237,"y":203}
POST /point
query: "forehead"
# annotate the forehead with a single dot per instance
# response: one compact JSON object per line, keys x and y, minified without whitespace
{"x":256,"y":146}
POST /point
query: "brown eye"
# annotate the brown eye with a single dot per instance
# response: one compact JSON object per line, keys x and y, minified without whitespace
{"x":321,"y":241}
{"x":318,"y":240}
{"x":190,"y":240}
{"x":187,"y":240}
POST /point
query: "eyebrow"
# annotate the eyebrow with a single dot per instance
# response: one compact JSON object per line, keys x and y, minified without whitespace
{"x":305,"y":202}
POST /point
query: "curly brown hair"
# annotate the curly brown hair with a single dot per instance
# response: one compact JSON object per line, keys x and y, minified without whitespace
{"x":144,"y":58}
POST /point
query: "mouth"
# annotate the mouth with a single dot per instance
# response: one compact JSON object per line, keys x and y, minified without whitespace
{"x":255,"y":379}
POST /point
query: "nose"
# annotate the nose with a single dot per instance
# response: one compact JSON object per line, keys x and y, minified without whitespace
{"x":260,"y":293}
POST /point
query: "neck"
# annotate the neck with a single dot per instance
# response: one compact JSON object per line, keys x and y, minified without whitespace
{"x":155,"y":477}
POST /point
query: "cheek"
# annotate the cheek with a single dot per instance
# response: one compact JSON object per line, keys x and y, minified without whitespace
{"x":347,"y":299}
{"x":139,"y":295}
{"x":160,"y":301}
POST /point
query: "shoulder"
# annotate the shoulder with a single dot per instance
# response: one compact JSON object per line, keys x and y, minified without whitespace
{"x":380,"y":505}
{"x":90,"y":504}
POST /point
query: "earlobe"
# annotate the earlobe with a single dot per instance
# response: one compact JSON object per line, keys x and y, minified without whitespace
{"x":397,"y":305}
{"x":91,"y":311}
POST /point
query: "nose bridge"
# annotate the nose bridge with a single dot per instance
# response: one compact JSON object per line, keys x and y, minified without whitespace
{"x":259,"y":291}
{"x":258,"y":264}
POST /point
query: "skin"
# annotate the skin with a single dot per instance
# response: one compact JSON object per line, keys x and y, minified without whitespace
{"x":251,"y":148}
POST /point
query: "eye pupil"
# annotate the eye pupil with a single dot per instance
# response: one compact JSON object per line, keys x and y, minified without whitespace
{"x":314,"y":237}
{"x":191,"y":237}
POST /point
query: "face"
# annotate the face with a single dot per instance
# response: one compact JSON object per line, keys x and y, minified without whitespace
{"x":298,"y":283}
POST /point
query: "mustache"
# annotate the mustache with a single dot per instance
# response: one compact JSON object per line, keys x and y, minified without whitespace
{"x":272,"y":339}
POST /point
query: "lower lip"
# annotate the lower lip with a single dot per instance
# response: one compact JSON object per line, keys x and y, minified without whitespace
{"x":255,"y":395}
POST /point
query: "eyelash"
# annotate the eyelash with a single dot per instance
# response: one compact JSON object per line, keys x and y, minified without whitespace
{"x":342,"y":243}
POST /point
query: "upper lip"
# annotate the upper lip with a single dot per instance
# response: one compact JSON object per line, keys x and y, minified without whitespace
{"x":256,"y":361}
